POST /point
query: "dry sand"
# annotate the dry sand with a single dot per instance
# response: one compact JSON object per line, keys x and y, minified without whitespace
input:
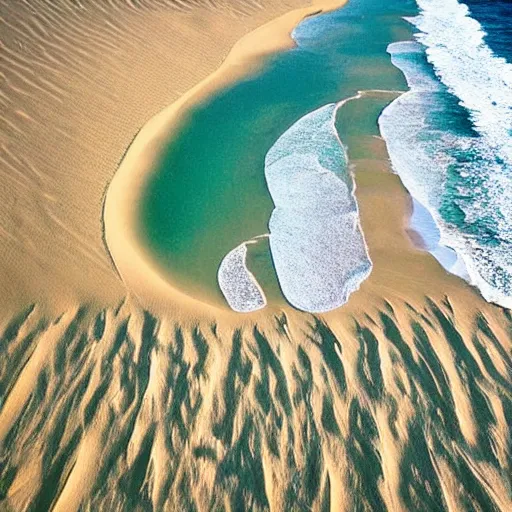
{"x":115,"y":396}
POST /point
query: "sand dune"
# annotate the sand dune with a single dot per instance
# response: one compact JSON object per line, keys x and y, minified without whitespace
{"x":406,"y":407}
{"x":401,"y":400}
{"x":79,"y":79}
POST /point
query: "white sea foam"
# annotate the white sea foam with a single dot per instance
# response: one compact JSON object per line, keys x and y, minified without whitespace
{"x":482,"y":81}
{"x":238,"y":284}
{"x":316,"y":241}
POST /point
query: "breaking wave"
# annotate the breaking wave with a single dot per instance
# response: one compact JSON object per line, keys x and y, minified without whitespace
{"x":450,"y":140}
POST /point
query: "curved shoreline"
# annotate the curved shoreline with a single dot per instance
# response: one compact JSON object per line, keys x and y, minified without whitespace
{"x":132,"y":261}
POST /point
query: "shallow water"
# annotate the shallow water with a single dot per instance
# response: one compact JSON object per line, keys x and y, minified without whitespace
{"x":209,"y":193}
{"x":449,"y":140}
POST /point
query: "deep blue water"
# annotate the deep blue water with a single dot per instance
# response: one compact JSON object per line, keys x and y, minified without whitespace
{"x":495,"y":16}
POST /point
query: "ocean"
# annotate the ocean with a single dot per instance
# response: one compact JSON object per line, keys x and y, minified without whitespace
{"x":495,"y":18}
{"x":450,"y":137}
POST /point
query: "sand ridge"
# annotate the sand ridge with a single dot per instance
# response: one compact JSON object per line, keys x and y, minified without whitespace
{"x":399,"y":407}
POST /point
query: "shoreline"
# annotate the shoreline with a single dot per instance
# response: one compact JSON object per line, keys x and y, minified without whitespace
{"x":72,"y":104}
{"x":132,"y":261}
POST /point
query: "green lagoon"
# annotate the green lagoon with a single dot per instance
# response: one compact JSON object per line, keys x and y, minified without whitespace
{"x":209,"y":194}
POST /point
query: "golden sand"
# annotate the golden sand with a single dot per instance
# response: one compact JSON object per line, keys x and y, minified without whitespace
{"x":117,"y":393}
{"x":79,"y":79}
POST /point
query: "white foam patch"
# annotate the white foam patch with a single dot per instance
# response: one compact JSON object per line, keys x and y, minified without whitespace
{"x":316,"y":240}
{"x":238,"y":284}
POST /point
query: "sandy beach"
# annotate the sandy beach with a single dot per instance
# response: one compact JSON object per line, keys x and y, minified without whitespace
{"x":118,"y":391}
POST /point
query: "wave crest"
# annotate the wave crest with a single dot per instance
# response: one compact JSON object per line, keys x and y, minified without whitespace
{"x":449,"y":140}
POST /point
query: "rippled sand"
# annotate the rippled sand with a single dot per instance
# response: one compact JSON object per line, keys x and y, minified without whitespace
{"x":401,"y":400}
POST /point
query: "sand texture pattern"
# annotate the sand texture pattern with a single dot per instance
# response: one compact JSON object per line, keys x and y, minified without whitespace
{"x":114,"y":399}
{"x":399,"y":409}
{"x":79,"y":79}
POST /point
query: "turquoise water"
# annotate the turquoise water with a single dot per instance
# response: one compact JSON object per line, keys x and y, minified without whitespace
{"x":209,"y":194}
